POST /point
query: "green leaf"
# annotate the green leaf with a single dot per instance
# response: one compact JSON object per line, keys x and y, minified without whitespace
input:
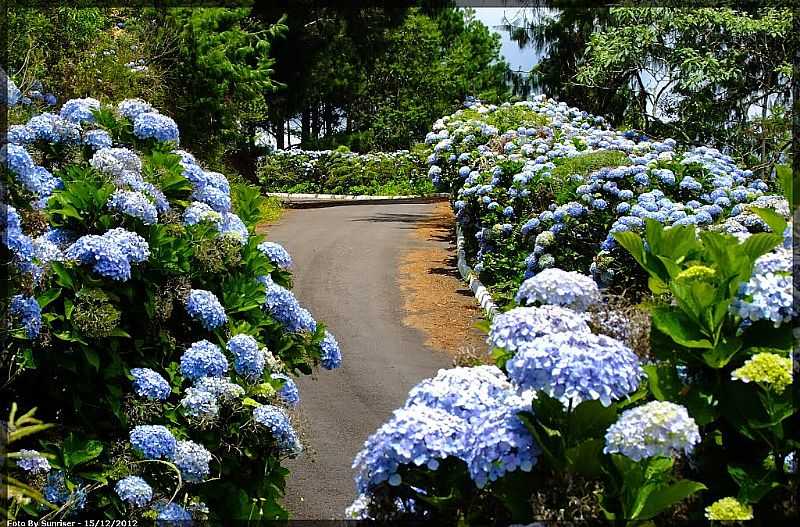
{"x":679,"y":327}
{"x":760,"y":244}
{"x":754,"y":483}
{"x":92,"y":357}
{"x":79,"y":451}
{"x":585,"y":458}
{"x":663,"y":498}
{"x":723,"y":352}
{"x":771,"y":218}
{"x":64,"y":279}
{"x":47,"y":297}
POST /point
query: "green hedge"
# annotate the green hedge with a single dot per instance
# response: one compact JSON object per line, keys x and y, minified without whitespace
{"x":341,"y":172}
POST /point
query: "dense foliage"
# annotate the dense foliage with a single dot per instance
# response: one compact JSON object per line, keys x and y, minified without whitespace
{"x":400,"y":173}
{"x":148,"y":323}
{"x":683,"y":412}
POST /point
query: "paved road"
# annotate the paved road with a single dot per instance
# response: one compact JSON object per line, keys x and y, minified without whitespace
{"x":345,"y":265}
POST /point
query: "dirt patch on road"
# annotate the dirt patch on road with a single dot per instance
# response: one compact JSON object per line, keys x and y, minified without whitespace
{"x":435,"y":299}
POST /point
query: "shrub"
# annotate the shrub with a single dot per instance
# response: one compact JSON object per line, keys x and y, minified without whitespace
{"x":683,"y":411}
{"x":139,"y":325}
{"x":342,"y":172}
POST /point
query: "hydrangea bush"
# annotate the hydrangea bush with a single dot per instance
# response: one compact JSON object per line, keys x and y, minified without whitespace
{"x":141,"y":324}
{"x":559,"y":212}
{"x":342,"y":172}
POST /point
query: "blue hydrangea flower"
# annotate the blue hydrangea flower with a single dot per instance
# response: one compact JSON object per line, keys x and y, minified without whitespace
{"x":132,"y":108}
{"x":223,"y":389}
{"x":288,"y":392}
{"x":172,"y":514}
{"x":522,"y":325}
{"x":331,"y":355}
{"x":158,"y":197}
{"x":558,"y":287}
{"x":203,"y":359}
{"x":200,"y":404}
{"x":55,"y":490}
{"x":657,"y":428}
{"x":134,"y":204}
{"x":204,"y":306}
{"x":27,"y":310}
{"x":111,"y":254}
{"x":32,"y":461}
{"x":19,"y":134}
{"x":197,"y":212}
{"x":232,"y":225}
{"x":192,"y":460}
{"x":765,"y":296}
{"x":152,"y":125}
{"x":576,"y":367}
{"x":248,"y":358}
{"x":283,"y":306}
{"x":276,"y":420}
{"x":148,"y":383}
{"x":97,"y":139}
{"x":415,"y":435}
{"x":51,"y":128}
{"x":134,"y":491}
{"x":276,"y":253}
{"x":218,"y":200}
{"x":498,"y":443}
{"x":153,"y":441}
{"x":120,"y":163}
{"x":17,"y":160}
{"x":467,"y":393}
{"x":79,"y":110}
{"x":12,"y":94}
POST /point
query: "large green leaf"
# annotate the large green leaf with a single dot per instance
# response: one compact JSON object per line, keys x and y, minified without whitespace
{"x":771,"y":218}
{"x":679,"y":327}
{"x":661,"y":499}
{"x":78,"y":451}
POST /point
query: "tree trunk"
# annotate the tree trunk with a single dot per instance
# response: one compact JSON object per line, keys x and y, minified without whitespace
{"x":315,"y":123}
{"x":305,"y":127}
{"x":280,"y":133}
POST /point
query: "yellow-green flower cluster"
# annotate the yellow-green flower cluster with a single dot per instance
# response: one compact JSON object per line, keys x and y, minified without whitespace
{"x":766,"y":368}
{"x":696,"y":273}
{"x":729,"y":509}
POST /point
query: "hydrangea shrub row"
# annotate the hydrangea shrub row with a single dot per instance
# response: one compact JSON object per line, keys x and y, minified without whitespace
{"x":560,"y":211}
{"x":143,"y":324}
{"x":342,"y":172}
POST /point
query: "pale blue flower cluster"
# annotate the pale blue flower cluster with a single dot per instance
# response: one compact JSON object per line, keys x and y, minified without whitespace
{"x":132,"y":108}
{"x":52,"y":128}
{"x":288,"y":392}
{"x":768,"y":295}
{"x":192,"y":460}
{"x":200,"y":404}
{"x":33,"y":462}
{"x":26,"y":309}
{"x":172,"y":514}
{"x":55,"y":490}
{"x":284,"y":307}
{"x":203,"y":359}
{"x":35,"y":179}
{"x":12,"y":94}
{"x":657,"y":428}
{"x":204,"y":306}
{"x":277,"y":421}
{"x":134,"y":491}
{"x":498,"y":443}
{"x":80,"y":110}
{"x":223,"y":389}
{"x":149,"y":383}
{"x":248,"y":358}
{"x":522,"y":325}
{"x":232,"y":225}
{"x":110,"y":254}
{"x":97,"y":139}
{"x":198,"y":212}
{"x":562,"y":288}
{"x":276,"y":253}
{"x":134,"y":204}
{"x":576,"y":367}
{"x":414,"y":435}
{"x":468,"y":393}
{"x":153,"y":125}
{"x":331,"y":354}
{"x":153,"y":441}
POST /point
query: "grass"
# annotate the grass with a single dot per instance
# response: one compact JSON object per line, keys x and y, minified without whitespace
{"x":271,"y":209}
{"x":508,"y":118}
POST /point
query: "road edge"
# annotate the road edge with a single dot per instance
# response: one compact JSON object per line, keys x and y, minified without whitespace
{"x":308,"y":201}
{"x":482,"y":294}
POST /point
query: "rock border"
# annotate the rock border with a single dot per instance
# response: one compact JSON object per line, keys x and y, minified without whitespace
{"x":308,"y":201}
{"x":482,"y":294}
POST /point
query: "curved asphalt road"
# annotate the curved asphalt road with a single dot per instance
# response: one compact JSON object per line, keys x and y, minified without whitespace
{"x":345,"y":265}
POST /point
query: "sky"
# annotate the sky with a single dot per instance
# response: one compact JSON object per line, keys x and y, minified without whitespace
{"x":518,"y":59}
